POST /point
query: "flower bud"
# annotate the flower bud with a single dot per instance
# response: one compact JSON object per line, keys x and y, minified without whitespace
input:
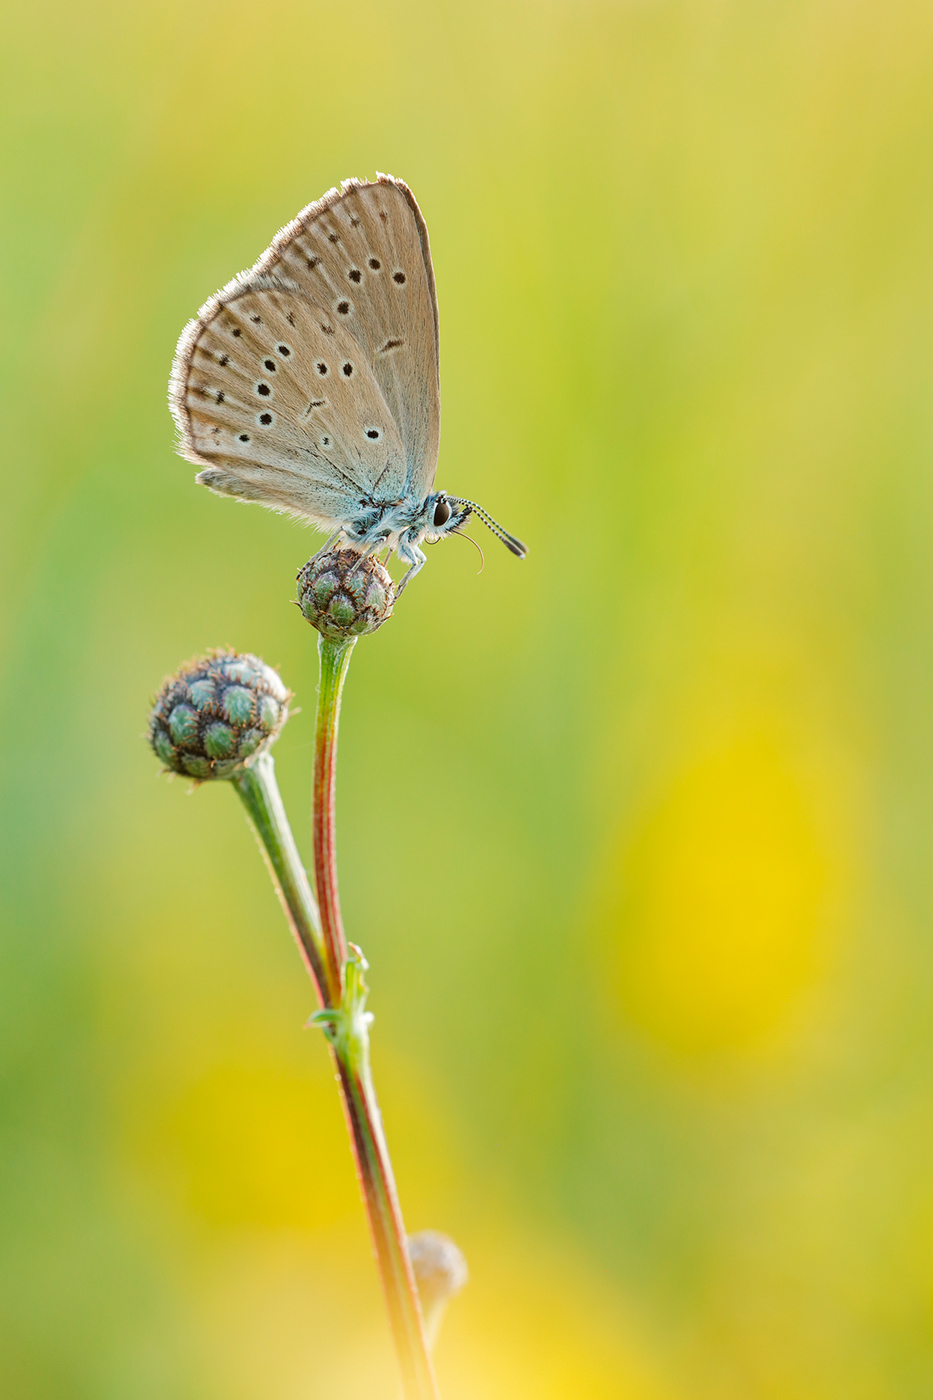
{"x":218,"y":713}
{"x":344,"y":594}
{"x":440,"y":1271}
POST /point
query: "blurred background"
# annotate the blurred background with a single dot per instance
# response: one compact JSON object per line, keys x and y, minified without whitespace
{"x":635,"y":835}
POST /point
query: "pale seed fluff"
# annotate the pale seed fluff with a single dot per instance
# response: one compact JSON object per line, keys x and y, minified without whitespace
{"x":217,"y":714}
{"x":440,"y":1272}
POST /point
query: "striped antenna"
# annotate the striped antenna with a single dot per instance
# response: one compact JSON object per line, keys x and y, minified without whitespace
{"x":508,"y":540}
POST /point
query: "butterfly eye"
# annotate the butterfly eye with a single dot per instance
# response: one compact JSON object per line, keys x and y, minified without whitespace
{"x":441,"y":513}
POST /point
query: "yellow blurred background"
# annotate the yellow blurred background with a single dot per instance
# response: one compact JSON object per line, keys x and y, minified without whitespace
{"x":635,"y":835}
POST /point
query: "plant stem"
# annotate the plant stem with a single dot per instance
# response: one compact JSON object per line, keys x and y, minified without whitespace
{"x":260,"y":795}
{"x":388,"y":1232}
{"x":347,"y":1029}
{"x":350,"y":1041}
{"x":335,"y":658}
{"x":337,"y":974}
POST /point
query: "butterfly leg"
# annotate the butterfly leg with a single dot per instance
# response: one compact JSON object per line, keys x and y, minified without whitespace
{"x":328,"y":545}
{"x":365,"y":554}
{"x":414,"y":558}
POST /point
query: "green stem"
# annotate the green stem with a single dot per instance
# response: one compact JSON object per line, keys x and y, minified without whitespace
{"x":335,"y":658}
{"x":260,"y":795}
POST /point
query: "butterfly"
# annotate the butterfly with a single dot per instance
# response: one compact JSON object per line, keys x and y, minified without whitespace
{"x":310,"y":382}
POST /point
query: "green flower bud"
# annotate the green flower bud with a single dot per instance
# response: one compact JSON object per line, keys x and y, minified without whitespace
{"x":216,"y":714}
{"x":345,"y":595}
{"x":440,"y":1271}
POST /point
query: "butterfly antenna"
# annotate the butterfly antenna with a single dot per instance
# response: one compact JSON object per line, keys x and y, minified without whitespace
{"x":508,"y":540}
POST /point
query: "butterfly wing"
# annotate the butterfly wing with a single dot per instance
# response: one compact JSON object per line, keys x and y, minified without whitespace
{"x":278,"y":402}
{"x":357,"y":267}
{"x":362,"y":252}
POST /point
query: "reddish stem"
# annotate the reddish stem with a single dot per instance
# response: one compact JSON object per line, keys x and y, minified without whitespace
{"x":335,"y":658}
{"x":351,"y":1053}
{"x":374,"y":1171}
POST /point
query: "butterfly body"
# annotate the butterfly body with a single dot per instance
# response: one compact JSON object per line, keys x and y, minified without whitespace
{"x":310,"y":382}
{"x":402,"y":525}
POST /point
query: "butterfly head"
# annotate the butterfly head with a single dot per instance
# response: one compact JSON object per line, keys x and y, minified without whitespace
{"x":404,"y":525}
{"x":443,"y":516}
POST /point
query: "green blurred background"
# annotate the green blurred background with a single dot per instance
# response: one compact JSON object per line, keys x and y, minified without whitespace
{"x":635,"y":835}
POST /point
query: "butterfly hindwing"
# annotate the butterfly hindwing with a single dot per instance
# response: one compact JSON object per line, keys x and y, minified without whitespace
{"x":279,"y":402}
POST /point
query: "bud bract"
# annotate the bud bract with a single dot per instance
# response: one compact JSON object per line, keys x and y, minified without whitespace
{"x":345,"y":594}
{"x":217,"y":714}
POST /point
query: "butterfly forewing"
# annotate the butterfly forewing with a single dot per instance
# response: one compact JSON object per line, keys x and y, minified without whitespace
{"x":310,"y":383}
{"x":363,"y":255}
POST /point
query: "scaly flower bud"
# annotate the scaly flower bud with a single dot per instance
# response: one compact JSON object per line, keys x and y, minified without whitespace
{"x":440,"y":1271}
{"x":217,"y":714}
{"x":345,"y":595}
